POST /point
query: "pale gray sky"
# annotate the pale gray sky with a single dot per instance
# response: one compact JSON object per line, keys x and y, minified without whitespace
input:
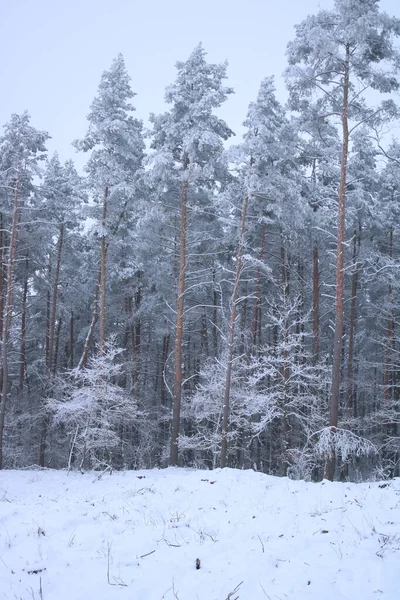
{"x":54,"y":51}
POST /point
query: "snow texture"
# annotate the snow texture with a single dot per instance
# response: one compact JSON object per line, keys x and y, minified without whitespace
{"x":142,"y":535}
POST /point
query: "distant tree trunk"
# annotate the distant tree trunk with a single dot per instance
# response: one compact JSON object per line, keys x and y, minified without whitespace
{"x":137,"y":342}
{"x":285,"y":273}
{"x":56,"y":346}
{"x":387,"y":376}
{"x":71,"y":341}
{"x":22,"y":354}
{"x":257,"y":294}
{"x":54,"y":298}
{"x":8,"y":311}
{"x":176,"y":410}
{"x":95,"y":316}
{"x":51,"y":358}
{"x":164,"y":358}
{"x":204,"y":336}
{"x":231,"y":338}
{"x":339,"y":322}
{"x":48,"y":312}
{"x":102,"y":333}
{"x":215,"y":317}
{"x":2,"y":266}
{"x":315,"y":306}
{"x":350,"y":388}
{"x":243,"y":324}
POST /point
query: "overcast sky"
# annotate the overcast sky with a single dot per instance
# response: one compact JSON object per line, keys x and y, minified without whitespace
{"x":54,"y":51}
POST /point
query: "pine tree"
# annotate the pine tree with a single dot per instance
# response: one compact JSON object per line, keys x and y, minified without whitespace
{"x":21,"y":149}
{"x":336,"y":55}
{"x":188,"y":143}
{"x":116,"y":143}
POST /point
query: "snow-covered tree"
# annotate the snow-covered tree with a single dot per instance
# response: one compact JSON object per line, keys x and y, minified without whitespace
{"x":95,"y":412}
{"x":336,"y":56}
{"x":115,"y":141}
{"x":22,"y":147}
{"x":187,"y":158}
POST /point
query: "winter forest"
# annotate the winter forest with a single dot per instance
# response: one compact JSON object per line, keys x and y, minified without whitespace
{"x":188,"y":301}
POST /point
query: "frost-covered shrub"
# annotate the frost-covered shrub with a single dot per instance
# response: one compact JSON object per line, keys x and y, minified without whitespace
{"x":95,"y":412}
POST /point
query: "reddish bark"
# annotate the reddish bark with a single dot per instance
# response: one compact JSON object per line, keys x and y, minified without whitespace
{"x":339,"y":322}
{"x":8,"y":311}
{"x":176,"y":409}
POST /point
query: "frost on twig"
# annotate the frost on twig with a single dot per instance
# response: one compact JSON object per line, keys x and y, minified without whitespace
{"x":341,"y":442}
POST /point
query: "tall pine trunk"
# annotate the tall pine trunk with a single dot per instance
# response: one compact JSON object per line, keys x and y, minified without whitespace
{"x":176,"y":410}
{"x":8,"y":311}
{"x":103,"y":257}
{"x":22,"y":353}
{"x":339,"y":321}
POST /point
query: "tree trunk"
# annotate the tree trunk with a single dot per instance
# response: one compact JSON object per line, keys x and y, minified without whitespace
{"x":48,"y":312}
{"x":8,"y":310}
{"x":352,"y":325}
{"x":22,"y":355}
{"x":339,"y":322}
{"x":285,"y":273}
{"x":387,"y":376}
{"x":54,"y":298}
{"x":231,"y":339}
{"x":102,"y":333}
{"x":215,"y":317}
{"x":164,"y":358}
{"x":56,"y":347}
{"x":315,"y":306}
{"x":243,"y":324}
{"x":2,"y":290}
{"x":95,"y":316}
{"x":71,"y":341}
{"x":137,"y":343}
{"x":176,"y":410}
{"x":257,"y":294}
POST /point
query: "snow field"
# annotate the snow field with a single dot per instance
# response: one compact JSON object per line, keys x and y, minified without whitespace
{"x":136,"y":535}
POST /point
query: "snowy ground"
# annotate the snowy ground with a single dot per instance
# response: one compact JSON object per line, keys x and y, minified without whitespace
{"x":137,"y":536}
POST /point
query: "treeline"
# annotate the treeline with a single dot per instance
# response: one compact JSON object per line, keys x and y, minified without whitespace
{"x":184,"y":303}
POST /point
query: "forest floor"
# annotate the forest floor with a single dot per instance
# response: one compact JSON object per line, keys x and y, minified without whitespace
{"x":137,"y":535}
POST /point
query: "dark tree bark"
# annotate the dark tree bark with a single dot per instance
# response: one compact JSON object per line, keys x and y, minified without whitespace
{"x":350,"y":388}
{"x":54,"y":298}
{"x":71,"y":340}
{"x":214,"y":324}
{"x":315,"y":306}
{"x":164,"y":358}
{"x":103,"y":260}
{"x":2,"y":274}
{"x":387,"y":376}
{"x":257,"y":295}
